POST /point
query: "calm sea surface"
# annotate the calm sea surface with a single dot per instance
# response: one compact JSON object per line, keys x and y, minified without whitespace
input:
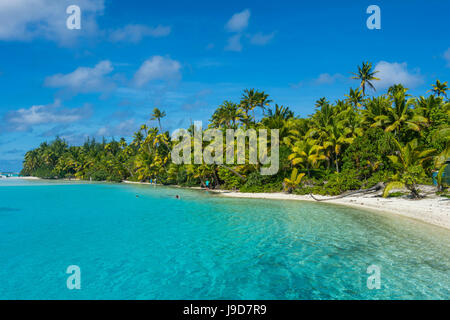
{"x":207,"y":247}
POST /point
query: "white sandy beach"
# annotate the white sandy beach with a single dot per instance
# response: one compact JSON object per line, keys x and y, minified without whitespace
{"x":432,"y":209}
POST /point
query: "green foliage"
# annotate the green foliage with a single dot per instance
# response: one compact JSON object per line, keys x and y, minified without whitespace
{"x":294,"y":181}
{"x":368,"y":154}
{"x":350,"y":144}
{"x":392,"y":185}
{"x":440,"y":177}
{"x":231,"y":181}
{"x":341,"y":182}
{"x":257,"y":183}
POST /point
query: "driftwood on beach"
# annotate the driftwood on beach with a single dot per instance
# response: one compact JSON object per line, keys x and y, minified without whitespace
{"x":375,"y":188}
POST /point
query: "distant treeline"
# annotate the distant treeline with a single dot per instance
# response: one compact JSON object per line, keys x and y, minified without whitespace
{"x":349,"y":144}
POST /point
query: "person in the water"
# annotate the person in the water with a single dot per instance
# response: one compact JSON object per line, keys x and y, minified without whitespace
{"x":177,"y":197}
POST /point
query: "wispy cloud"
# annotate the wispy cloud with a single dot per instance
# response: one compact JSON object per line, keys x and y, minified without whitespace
{"x":296,"y":85}
{"x":157,"y":68}
{"x":134,"y":33}
{"x":261,"y":39}
{"x":25,"y":119}
{"x":326,"y":78}
{"x":84,"y":79}
{"x":25,"y":20}
{"x":238,"y":22}
{"x":197,"y":101}
{"x":396,"y":73}
{"x":234,"y":43}
{"x":122,"y":129}
{"x":447,"y":57}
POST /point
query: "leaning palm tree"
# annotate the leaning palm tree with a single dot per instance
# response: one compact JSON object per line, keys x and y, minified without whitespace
{"x":366,"y":76}
{"x":158,"y":115}
{"x":439,"y":88}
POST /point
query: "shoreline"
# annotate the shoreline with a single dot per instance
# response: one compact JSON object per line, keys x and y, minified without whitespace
{"x":433,"y":209}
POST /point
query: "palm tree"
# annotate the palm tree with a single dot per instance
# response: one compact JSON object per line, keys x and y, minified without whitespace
{"x":324,"y":114}
{"x":375,"y":107}
{"x":263,"y":100}
{"x":250,"y":99}
{"x":400,"y":114}
{"x":293,"y":182}
{"x":280,"y":112}
{"x":366,"y":76}
{"x":308,"y":153}
{"x":234,"y":113}
{"x":408,"y":163}
{"x":158,"y":115}
{"x":138,"y":137}
{"x":442,"y":134}
{"x":226,"y":115}
{"x":439,"y":88}
{"x":355,"y":97}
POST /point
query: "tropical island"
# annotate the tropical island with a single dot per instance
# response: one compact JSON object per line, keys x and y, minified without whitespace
{"x":391,"y":143}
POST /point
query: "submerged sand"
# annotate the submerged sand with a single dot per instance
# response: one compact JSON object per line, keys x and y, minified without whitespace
{"x":432,"y":209}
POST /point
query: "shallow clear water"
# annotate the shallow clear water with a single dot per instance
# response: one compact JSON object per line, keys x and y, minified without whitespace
{"x":207,"y":247}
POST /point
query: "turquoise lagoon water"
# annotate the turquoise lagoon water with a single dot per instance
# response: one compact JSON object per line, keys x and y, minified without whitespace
{"x":207,"y":247}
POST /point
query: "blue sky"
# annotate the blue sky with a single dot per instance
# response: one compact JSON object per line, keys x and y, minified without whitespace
{"x":186,"y":57}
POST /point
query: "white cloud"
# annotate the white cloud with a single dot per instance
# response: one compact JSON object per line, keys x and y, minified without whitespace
{"x":238,"y":22}
{"x":29,"y":19}
{"x":447,"y":57}
{"x":135,"y":33}
{"x":296,"y":85}
{"x":25,"y":119}
{"x":122,"y":129}
{"x":157,"y":68}
{"x":326,"y":78}
{"x":261,"y":39}
{"x":234,"y":43}
{"x":396,"y":73}
{"x":83,"y":79}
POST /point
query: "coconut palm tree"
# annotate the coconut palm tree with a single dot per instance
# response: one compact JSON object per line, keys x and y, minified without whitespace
{"x":308,"y":153}
{"x":280,"y":112}
{"x":355,"y":98}
{"x":293,"y":182}
{"x":408,"y":163}
{"x":375,"y":107}
{"x":158,"y":115}
{"x":400,"y":114}
{"x":439,"y":88}
{"x":366,"y":76}
{"x":251,"y":98}
{"x":263,"y":100}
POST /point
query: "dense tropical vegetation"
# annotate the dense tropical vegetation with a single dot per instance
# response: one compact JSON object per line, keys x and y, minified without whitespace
{"x":350,"y":144}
